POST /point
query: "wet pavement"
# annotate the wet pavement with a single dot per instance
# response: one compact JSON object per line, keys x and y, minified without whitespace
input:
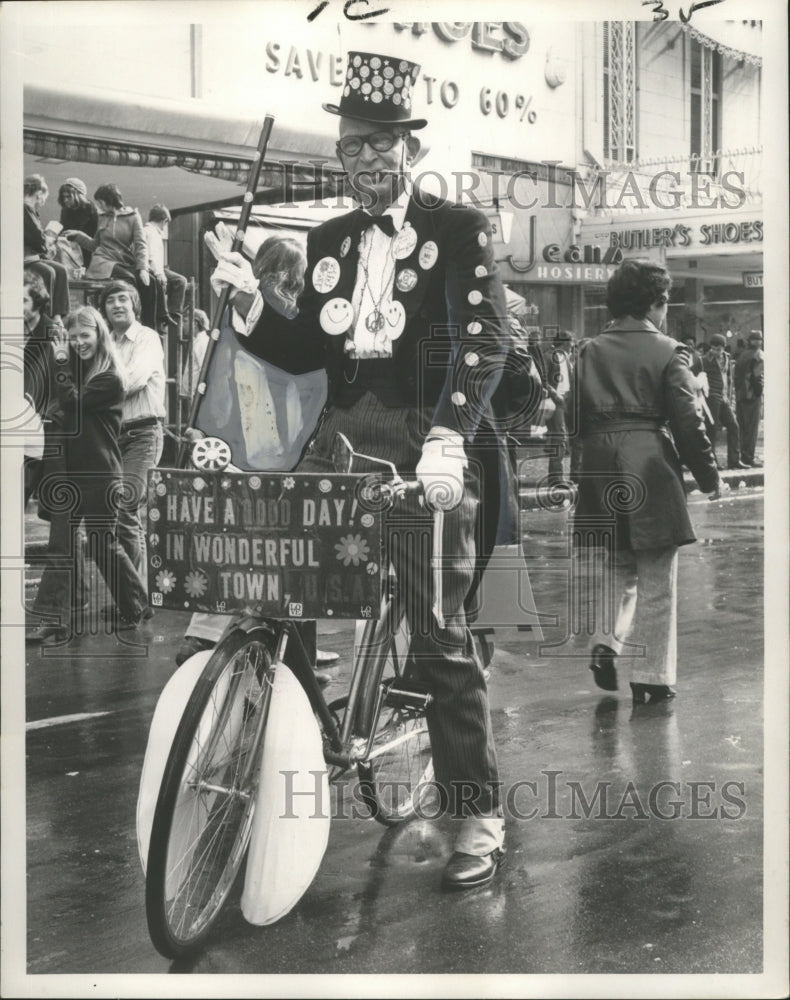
{"x":636,"y":847}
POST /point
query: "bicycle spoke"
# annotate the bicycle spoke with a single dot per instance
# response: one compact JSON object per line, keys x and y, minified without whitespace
{"x":211,"y":805}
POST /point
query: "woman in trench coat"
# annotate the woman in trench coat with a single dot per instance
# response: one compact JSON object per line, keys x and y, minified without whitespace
{"x":638,"y":420}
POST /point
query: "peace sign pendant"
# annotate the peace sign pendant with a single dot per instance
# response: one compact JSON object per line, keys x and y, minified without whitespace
{"x":375,"y":321}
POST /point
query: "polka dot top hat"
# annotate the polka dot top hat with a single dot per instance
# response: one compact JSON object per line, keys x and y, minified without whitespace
{"x":378,"y":89}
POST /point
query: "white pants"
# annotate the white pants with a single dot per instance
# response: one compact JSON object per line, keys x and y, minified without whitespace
{"x":643,"y":587}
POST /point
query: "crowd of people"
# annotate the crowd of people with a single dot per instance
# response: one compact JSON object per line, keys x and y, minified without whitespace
{"x":402,"y":268}
{"x":100,"y":239}
{"x":97,"y":382}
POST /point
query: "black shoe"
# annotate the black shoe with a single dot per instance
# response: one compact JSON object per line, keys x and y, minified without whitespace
{"x":40,"y":633}
{"x":603,"y":668}
{"x":641,"y":693}
{"x":323,"y":657}
{"x":322,"y":678}
{"x":740,"y":465}
{"x":148,"y":613}
{"x":755,"y":464}
{"x":190,"y":646}
{"x":468,"y":871}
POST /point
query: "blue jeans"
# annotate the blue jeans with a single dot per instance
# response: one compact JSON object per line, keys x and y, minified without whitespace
{"x":141,"y":449}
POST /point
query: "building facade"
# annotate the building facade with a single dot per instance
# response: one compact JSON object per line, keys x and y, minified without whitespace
{"x":584,"y":142}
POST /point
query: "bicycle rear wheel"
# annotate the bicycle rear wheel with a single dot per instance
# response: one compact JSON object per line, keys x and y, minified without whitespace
{"x":203,"y":815}
{"x":396,"y":778}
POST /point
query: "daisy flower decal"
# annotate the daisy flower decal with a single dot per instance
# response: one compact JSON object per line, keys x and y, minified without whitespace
{"x":156,"y":476}
{"x":352,"y":549}
{"x":289,"y":482}
{"x":195,"y":584}
{"x":165,"y":581}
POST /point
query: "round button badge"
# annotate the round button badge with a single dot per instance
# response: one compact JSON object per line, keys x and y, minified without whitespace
{"x":326,"y":275}
{"x":405,"y":242}
{"x":429,"y":254}
{"x":406,"y":280}
{"x":394,"y":320}
{"x":336,"y":316}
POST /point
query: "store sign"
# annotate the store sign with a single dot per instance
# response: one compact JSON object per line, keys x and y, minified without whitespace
{"x":583,"y":263}
{"x":682,"y":236}
{"x":588,"y":253}
{"x":509,"y":39}
{"x":753,"y":279}
{"x":573,"y":273}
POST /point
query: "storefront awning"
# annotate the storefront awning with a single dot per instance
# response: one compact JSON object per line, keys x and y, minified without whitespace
{"x":178,"y":153}
{"x":738,"y":40}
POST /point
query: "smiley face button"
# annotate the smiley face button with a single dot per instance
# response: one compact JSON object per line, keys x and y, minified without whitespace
{"x":326,"y":274}
{"x":336,"y":316}
{"x":394,"y":320}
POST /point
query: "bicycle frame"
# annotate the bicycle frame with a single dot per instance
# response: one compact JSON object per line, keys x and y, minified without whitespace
{"x":340,"y":749}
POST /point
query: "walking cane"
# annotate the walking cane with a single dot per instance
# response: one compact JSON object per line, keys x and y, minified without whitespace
{"x":216,"y":319}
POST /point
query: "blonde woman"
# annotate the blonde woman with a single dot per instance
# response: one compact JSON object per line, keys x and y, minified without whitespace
{"x":89,"y":384}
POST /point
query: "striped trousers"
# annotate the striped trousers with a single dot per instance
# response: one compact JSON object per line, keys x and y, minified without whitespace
{"x":444,"y":659}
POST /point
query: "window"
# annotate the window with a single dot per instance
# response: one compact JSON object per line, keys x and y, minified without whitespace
{"x":619,"y":91}
{"x":705,"y":108}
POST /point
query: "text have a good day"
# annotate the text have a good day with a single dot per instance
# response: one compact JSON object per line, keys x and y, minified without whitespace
{"x":259,"y":511}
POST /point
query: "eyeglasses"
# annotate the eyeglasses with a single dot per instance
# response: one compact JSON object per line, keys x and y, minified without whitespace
{"x":351,"y":145}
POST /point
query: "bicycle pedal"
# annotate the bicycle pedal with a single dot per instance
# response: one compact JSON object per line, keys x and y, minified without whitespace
{"x":412,"y":697}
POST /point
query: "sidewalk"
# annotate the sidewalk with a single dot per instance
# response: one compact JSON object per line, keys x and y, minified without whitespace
{"x":533,"y":492}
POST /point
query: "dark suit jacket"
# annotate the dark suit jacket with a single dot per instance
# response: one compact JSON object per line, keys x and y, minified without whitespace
{"x":445,"y":322}
{"x":448,"y":361}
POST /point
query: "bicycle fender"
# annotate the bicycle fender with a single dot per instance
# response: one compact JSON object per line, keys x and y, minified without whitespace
{"x":290,"y":826}
{"x":167,"y":715}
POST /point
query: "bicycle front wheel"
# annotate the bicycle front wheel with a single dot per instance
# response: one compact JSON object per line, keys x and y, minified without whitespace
{"x":203,"y":815}
{"x":396,"y":778}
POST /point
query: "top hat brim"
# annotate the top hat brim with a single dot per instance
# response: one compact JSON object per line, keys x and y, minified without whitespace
{"x":411,"y":123}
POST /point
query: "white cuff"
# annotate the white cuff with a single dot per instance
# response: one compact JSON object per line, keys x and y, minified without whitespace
{"x":480,"y":835}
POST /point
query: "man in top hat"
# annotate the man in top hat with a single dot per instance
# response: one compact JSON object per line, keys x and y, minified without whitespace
{"x":748,"y":380}
{"x":404,"y":308}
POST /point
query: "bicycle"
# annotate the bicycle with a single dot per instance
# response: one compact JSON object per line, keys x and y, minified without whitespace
{"x":204,"y":812}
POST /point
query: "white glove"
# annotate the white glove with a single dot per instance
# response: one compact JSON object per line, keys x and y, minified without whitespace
{"x":441,"y":470}
{"x":235,"y":270}
{"x":219,"y":242}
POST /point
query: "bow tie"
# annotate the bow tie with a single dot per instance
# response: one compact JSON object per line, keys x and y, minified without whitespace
{"x":384,"y":222}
